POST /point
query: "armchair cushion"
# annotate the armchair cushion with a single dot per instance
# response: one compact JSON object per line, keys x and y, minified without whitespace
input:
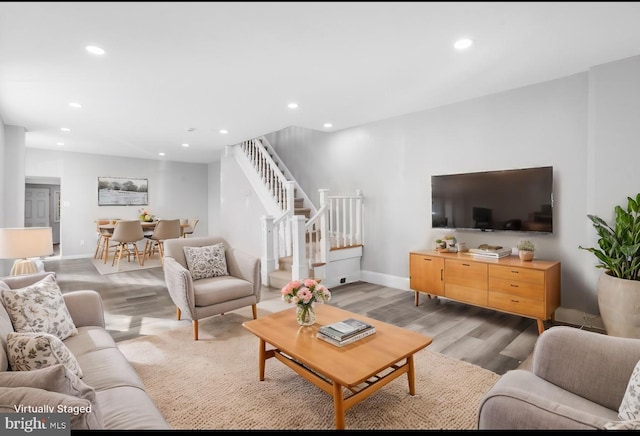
{"x":40,"y":308}
{"x":206,"y":262}
{"x":220,"y":289}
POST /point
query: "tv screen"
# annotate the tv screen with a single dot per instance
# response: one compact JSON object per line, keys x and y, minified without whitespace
{"x":506,"y":200}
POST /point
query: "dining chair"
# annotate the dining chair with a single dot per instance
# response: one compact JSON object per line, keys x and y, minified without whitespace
{"x":126,"y":234}
{"x":191,"y":226}
{"x":102,"y":238}
{"x":164,"y":229}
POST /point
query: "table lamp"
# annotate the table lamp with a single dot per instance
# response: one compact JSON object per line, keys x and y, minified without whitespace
{"x":21,"y":243}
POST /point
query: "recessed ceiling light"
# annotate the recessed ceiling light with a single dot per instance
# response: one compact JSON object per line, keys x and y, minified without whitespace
{"x":76,"y":105}
{"x":59,"y":143}
{"x":185,"y":145}
{"x":292,"y":105}
{"x":161,"y":154}
{"x":95,"y":50}
{"x":223,"y":131}
{"x":65,"y":129}
{"x":328,"y":125}
{"x":461,"y":44}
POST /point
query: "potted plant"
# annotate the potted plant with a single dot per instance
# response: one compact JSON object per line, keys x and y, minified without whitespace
{"x":450,"y":242}
{"x":618,"y":254}
{"x":441,"y":245}
{"x":526,"y":250}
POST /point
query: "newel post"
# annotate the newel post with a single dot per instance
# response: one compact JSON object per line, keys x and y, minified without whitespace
{"x":268,"y":260}
{"x":325,"y":239}
{"x":359,"y":218}
{"x":300,"y":266}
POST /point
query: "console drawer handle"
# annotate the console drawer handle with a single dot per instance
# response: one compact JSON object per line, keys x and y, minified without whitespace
{"x":465,"y":264}
{"x":514,"y":286}
{"x":515,"y":301}
{"x":427,"y":259}
{"x":515,"y":272}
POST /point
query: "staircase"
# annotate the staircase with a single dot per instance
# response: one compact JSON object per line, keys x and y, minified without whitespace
{"x":300,"y":240}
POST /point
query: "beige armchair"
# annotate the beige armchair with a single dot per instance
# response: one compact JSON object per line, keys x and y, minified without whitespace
{"x":577,"y":381}
{"x":198,"y":299}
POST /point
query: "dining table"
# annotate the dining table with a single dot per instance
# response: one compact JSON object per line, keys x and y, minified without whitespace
{"x":146,"y":227}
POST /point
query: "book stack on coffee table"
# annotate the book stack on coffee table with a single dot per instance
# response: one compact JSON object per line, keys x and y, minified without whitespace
{"x":345,"y":332}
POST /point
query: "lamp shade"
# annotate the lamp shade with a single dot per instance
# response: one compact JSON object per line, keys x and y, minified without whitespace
{"x":24,"y":242}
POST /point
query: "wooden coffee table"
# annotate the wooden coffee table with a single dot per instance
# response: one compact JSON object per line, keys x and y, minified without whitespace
{"x":350,"y":373}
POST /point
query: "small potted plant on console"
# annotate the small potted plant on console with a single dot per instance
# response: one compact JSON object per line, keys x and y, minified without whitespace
{"x":526,"y":250}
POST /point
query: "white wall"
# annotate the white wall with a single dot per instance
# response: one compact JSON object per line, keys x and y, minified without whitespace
{"x":14,"y":159}
{"x":5,"y":266}
{"x":392,"y":162}
{"x":176,"y":190}
{"x":240,"y":209}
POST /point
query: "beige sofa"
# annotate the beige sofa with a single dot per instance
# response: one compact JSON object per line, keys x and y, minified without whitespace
{"x":577,"y":381}
{"x":122,"y":402}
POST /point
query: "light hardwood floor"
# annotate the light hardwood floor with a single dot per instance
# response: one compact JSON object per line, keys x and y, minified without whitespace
{"x":137,"y":303}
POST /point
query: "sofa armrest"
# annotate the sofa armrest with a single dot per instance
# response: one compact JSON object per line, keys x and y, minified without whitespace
{"x":22,"y":281}
{"x":246,"y":267}
{"x":180,"y":286}
{"x":85,"y":307}
{"x":592,"y":365}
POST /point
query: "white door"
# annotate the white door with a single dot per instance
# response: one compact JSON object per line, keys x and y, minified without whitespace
{"x":36,"y":207}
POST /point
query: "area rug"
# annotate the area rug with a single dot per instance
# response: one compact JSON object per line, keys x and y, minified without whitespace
{"x":213,"y":384}
{"x":125,"y":266}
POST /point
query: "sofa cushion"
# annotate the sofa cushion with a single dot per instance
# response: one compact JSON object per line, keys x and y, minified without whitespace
{"x":129,"y":408}
{"x":80,"y":410}
{"x":206,"y":262}
{"x":39,"y":308}
{"x":29,"y":351}
{"x":56,"y":378}
{"x":108,"y":368}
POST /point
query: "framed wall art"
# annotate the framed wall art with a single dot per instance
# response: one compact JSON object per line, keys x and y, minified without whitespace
{"x":122,"y":191}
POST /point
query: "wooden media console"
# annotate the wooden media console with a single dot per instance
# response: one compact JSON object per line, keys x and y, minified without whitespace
{"x":508,"y":284}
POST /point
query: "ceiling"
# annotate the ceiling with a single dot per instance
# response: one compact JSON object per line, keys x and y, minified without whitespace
{"x":179,"y":72}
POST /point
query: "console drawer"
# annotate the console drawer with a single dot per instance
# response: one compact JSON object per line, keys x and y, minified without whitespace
{"x":517,"y":288}
{"x":515,"y":304}
{"x":515,"y":273}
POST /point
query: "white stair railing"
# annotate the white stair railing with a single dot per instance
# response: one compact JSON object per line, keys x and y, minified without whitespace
{"x":336,"y":224}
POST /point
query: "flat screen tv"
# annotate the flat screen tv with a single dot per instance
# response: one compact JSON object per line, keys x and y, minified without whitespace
{"x":518,"y":200}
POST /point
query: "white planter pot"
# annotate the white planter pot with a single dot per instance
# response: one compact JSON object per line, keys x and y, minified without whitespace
{"x":619,"y":303}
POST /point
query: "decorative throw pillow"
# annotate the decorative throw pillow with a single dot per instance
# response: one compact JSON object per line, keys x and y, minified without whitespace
{"x":622,"y":425}
{"x":206,"y":262}
{"x":39,"y":308}
{"x":85,"y":418}
{"x":630,"y":407}
{"x":28,"y":351}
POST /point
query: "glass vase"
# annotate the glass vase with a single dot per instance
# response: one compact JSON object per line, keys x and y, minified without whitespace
{"x":306,"y":315}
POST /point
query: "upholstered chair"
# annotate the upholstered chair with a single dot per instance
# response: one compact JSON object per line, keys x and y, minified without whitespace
{"x":198,"y":298}
{"x":164,"y":229}
{"x":191,"y":227}
{"x":126,"y":234}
